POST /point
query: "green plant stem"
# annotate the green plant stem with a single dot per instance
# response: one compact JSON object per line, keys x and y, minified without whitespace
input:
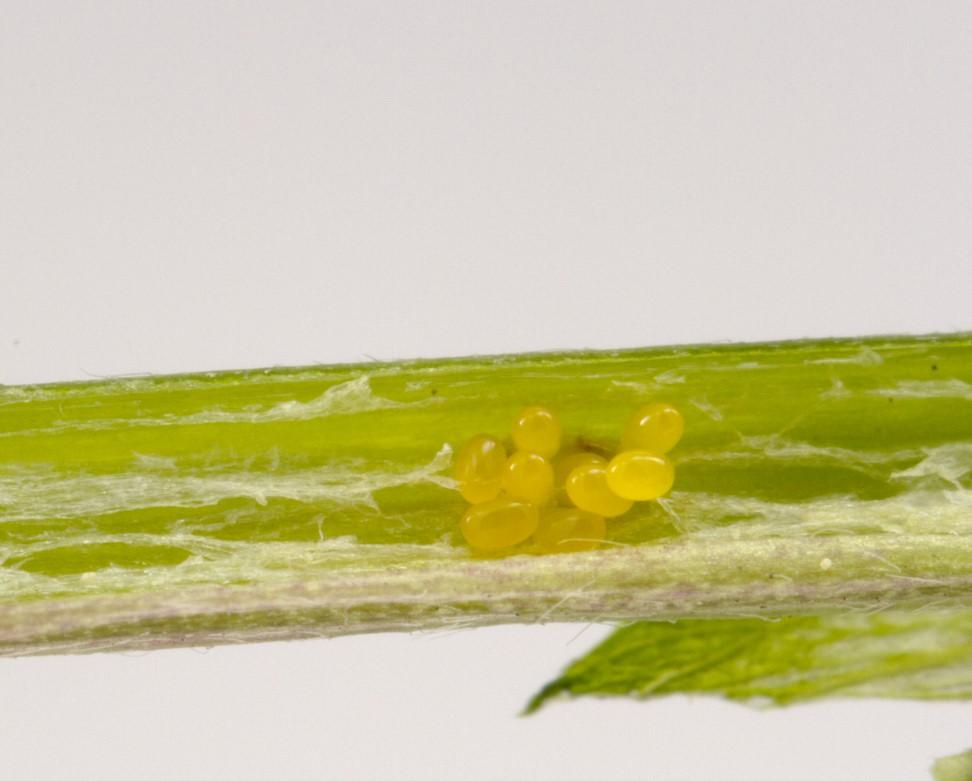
{"x":814,"y":477}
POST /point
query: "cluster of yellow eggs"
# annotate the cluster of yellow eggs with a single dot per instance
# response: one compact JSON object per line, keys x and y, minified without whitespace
{"x":561,"y":498}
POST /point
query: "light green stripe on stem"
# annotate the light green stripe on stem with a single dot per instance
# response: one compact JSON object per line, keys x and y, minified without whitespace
{"x":814,"y":477}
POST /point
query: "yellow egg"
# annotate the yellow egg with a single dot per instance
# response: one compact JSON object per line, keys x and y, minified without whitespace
{"x":565,"y":464}
{"x":568,"y":530}
{"x":529,"y":477}
{"x":479,"y":468}
{"x":498,"y":523}
{"x":537,"y":430}
{"x":657,"y":427}
{"x":640,"y":475}
{"x":588,"y":489}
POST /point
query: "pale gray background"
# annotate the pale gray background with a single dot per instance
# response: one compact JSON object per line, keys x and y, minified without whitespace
{"x":188,"y":186}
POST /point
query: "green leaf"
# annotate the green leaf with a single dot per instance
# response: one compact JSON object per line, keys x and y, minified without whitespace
{"x":957,"y":767}
{"x":913,"y":655}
